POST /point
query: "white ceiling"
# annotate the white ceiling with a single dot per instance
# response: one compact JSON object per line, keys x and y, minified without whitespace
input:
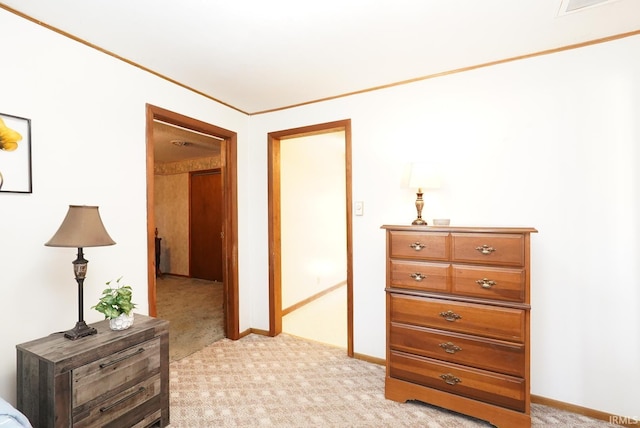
{"x":259,"y":55}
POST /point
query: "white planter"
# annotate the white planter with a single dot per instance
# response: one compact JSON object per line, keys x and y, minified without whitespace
{"x":122,"y":322}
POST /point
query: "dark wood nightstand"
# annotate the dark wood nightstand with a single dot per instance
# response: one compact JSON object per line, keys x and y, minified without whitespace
{"x":112,"y":379}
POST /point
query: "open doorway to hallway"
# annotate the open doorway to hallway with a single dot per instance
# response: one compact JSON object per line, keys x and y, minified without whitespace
{"x":310,"y":242}
{"x":173,"y":280}
{"x":313,"y":237}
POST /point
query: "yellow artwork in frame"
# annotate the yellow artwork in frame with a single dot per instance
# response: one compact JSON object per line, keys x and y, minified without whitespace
{"x":15,"y":154}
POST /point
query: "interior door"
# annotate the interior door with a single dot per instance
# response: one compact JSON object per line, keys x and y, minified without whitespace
{"x":205,"y":229}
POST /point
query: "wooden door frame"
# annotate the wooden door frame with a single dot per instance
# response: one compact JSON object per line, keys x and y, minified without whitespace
{"x":275,"y":242}
{"x":230,"y":214}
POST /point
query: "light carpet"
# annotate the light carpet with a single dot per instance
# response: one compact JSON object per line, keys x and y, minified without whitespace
{"x":194,"y":310}
{"x":286,"y":381}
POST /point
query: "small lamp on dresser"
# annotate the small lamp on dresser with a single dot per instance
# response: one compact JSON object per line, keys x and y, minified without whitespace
{"x":422,"y":176}
{"x":82,"y":227}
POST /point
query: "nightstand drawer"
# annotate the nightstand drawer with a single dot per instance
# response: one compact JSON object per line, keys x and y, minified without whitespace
{"x":483,"y":320}
{"x":114,"y":410}
{"x":149,"y":421}
{"x":487,"y":354}
{"x":115,"y":373}
{"x":488,"y":248}
{"x":489,"y":283}
{"x":415,"y":245}
{"x":502,"y":390}
{"x":419,"y":275}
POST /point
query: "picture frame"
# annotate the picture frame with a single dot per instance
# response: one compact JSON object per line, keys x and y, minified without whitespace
{"x":15,"y":154}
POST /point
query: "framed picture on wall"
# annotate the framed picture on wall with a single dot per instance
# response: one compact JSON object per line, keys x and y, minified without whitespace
{"x":15,"y":154}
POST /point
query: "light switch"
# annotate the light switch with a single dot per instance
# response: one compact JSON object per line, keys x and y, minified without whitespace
{"x":359,"y":208}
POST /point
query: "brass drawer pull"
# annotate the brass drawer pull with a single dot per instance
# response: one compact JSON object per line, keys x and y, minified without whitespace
{"x":485,"y":283}
{"x":485,"y":249}
{"x":418,"y":276}
{"x":450,"y":316}
{"x":450,"y":348}
{"x":450,"y":379}
{"x":417,"y":246}
{"x":122,"y":400}
{"x":110,"y":363}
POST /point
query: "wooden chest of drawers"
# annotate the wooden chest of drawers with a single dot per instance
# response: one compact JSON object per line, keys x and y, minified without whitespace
{"x":458,"y":314}
{"x":112,"y":379}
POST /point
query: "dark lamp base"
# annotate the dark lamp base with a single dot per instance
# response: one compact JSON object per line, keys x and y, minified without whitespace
{"x":419,"y":222}
{"x":80,"y":330}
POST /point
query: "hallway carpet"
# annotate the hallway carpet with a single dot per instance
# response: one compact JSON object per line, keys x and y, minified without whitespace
{"x":288,"y":382}
{"x":194,"y":310}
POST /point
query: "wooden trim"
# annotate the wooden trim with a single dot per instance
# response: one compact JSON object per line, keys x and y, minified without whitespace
{"x":275,"y":243}
{"x":151,"y":244}
{"x":370,"y":359}
{"x":275,"y":298}
{"x":255,"y":331}
{"x":591,"y":413}
{"x":230,"y":222}
{"x":319,"y":100}
{"x":349,"y":217}
{"x":456,"y":71}
{"x":313,"y":298}
{"x":116,"y":56}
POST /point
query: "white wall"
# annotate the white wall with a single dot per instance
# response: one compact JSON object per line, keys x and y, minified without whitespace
{"x":312,"y":213}
{"x":87,"y":113}
{"x":314,"y":236}
{"x":549,"y":142}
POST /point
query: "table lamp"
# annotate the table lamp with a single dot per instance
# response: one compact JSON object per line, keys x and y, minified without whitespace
{"x":421,"y":177}
{"x":82,"y":227}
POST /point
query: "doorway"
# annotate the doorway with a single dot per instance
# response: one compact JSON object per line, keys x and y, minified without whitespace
{"x":229,"y":215}
{"x":275,"y":219}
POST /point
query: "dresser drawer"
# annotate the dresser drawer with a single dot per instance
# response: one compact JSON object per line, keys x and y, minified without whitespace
{"x":115,"y":373}
{"x":489,"y":283}
{"x":483,"y":320}
{"x":416,"y":245}
{"x":114,"y":411}
{"x":488,"y":248}
{"x":502,"y":390}
{"x":487,"y":354}
{"x":419,"y":275}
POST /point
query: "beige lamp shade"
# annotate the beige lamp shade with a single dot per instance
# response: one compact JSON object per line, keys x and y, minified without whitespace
{"x":423,"y":176}
{"x":82,"y":227}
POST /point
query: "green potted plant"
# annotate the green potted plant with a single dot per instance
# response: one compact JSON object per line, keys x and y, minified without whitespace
{"x":116,"y":305}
